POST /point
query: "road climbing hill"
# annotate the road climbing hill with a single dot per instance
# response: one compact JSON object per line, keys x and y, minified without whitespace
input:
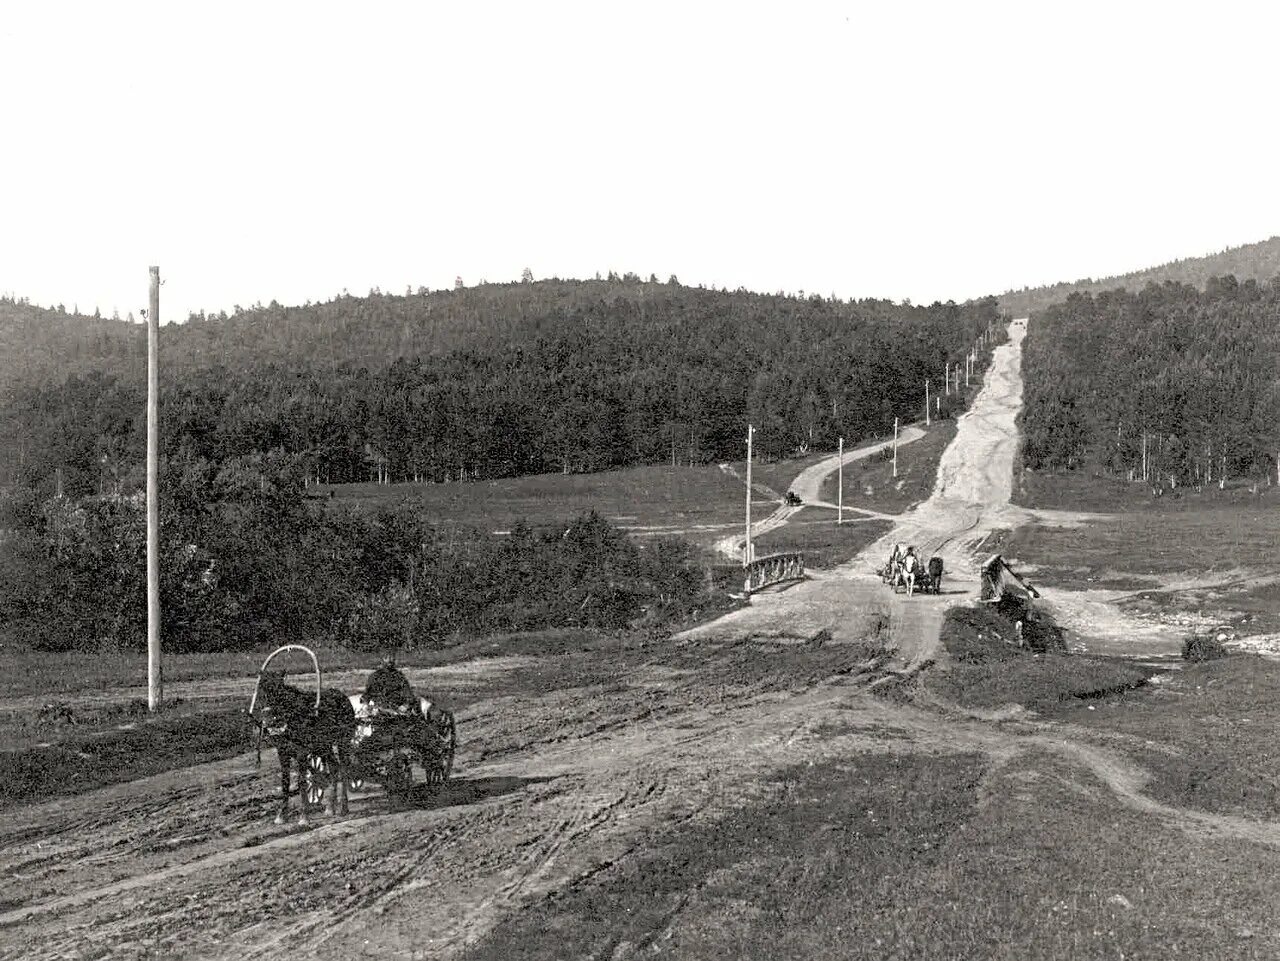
{"x":970,"y":499}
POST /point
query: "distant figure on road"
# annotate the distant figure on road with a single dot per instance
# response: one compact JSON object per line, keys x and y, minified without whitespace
{"x":909,"y":565}
{"x":891,"y":569}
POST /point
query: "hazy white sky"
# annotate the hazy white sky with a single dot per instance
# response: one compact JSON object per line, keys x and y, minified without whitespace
{"x":932,"y":151}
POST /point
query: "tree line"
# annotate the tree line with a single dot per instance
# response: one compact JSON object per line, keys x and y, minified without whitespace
{"x":1172,"y":384}
{"x":552,"y":376}
{"x":1260,"y":262}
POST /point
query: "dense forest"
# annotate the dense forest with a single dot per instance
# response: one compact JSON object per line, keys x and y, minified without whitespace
{"x":1174,"y":384}
{"x":501,"y":380}
{"x":1260,"y":262}
{"x":445,"y":386}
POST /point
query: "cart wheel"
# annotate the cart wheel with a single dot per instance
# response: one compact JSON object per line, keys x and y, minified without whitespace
{"x":315,"y":779}
{"x":437,"y":755}
{"x":399,"y":782}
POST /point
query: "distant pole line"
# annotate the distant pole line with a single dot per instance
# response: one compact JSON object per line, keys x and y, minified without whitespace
{"x":840,"y":487}
{"x":153,"y":496}
{"x":895,"y":447}
{"x":746,"y":547}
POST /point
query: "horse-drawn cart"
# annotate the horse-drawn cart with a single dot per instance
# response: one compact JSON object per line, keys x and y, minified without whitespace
{"x":332,"y":740}
{"x":389,"y":742}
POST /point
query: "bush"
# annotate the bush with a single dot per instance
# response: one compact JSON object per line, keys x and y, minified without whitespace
{"x":246,"y":560}
{"x":1203,"y":647}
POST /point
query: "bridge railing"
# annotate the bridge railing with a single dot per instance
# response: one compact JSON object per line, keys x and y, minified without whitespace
{"x":774,"y":569}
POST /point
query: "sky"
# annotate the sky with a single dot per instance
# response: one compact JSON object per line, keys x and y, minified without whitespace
{"x":931,"y":151}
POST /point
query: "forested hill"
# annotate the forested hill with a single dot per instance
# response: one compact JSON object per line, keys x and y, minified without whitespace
{"x":483,"y":382}
{"x":1192,"y":375}
{"x":1260,"y":261}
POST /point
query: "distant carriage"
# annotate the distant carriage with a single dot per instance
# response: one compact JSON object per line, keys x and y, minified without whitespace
{"x":928,"y":578}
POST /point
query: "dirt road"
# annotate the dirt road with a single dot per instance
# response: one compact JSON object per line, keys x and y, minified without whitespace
{"x":564,"y":771}
{"x":808,"y":487}
{"x":970,"y":499}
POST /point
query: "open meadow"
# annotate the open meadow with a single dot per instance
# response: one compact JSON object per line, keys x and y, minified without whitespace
{"x":696,"y":503}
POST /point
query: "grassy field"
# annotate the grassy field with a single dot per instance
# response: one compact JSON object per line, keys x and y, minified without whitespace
{"x":870,"y":483}
{"x":825,"y":543}
{"x":1214,"y":538}
{"x":1082,"y":491}
{"x":1219,"y":720}
{"x":644,"y":498}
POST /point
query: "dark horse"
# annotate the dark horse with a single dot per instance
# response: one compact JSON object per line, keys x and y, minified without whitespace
{"x":306,"y":738}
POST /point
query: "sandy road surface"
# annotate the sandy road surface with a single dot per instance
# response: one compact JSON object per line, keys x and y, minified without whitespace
{"x":556,"y":783}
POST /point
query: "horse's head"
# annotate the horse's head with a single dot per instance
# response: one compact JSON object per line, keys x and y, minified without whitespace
{"x":277,"y":702}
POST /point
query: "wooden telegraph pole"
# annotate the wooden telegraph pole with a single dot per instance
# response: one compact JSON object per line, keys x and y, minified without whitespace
{"x":746,"y":549}
{"x":153,"y":496}
{"x":895,"y":447}
{"x":840,"y":487}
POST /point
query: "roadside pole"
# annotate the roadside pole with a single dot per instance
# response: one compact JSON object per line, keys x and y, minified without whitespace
{"x":926,"y":402}
{"x":746,"y":548}
{"x":153,"y":497}
{"x":840,"y":487}
{"x":895,"y":447}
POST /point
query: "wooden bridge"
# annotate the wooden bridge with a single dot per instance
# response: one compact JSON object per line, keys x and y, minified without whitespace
{"x":773,"y":569}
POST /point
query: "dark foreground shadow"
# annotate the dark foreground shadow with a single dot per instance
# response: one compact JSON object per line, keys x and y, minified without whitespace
{"x":463,"y":791}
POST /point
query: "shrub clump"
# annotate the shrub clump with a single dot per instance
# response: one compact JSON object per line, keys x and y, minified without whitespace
{"x":1203,"y":647}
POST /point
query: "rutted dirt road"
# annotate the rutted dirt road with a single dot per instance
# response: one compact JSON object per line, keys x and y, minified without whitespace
{"x":556,"y":783}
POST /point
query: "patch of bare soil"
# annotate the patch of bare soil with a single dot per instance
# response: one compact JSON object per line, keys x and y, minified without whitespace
{"x":1154,"y":621}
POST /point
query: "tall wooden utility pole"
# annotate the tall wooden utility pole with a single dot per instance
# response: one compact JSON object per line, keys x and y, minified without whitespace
{"x":840,"y":487}
{"x":895,"y":447}
{"x":926,"y":402}
{"x":746,"y":547}
{"x":153,"y":496}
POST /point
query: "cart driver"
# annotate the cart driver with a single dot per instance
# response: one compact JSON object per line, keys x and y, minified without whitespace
{"x":388,"y":689}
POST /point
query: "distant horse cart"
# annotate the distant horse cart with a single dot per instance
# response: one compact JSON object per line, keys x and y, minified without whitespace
{"x":927,"y":578}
